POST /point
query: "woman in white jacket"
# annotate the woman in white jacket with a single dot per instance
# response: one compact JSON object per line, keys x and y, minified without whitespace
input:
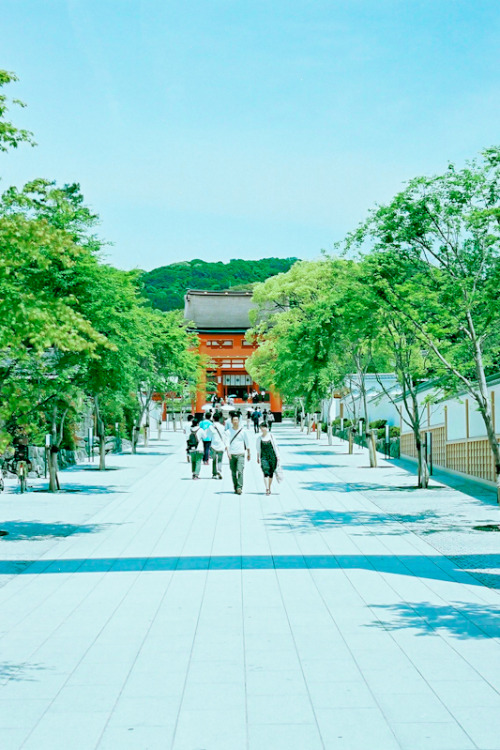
{"x":267,"y":455}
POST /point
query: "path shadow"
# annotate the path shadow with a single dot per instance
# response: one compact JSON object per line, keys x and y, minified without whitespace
{"x":319,"y":453}
{"x":93,"y":467}
{"x":18,"y":531}
{"x":85,"y":489}
{"x":424,"y":522}
{"x":466,"y":485}
{"x":305,"y":467}
{"x":151,"y":453}
{"x":365,"y":487}
{"x":24,"y":671}
{"x":461,"y":621}
{"x":433,"y":567}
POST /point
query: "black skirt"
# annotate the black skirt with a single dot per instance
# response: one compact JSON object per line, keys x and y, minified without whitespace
{"x":268,"y":458}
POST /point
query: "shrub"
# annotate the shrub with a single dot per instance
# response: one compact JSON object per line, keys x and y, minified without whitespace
{"x":378,"y":424}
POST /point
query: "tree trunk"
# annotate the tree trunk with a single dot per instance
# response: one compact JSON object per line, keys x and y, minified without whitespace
{"x":372,"y":453}
{"x":351,"y":442}
{"x":53,"y":478}
{"x":484,"y":403}
{"x":372,"y":448}
{"x":485,"y":411}
{"x":423,"y":469}
{"x":319,"y":428}
{"x":101,"y":434}
{"x":329,"y":420}
{"x":54,"y":485}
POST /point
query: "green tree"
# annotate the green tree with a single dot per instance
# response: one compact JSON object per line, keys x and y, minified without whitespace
{"x":439,"y":268}
{"x":10,"y":135}
{"x":293,"y":355}
{"x":167,"y":354}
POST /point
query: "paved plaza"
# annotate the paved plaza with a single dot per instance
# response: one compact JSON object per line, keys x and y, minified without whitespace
{"x":141,"y":610}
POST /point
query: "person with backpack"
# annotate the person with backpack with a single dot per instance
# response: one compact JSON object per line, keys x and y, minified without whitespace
{"x":218,"y":438}
{"x":195,"y":447}
{"x":237,"y":445}
{"x":205,"y":423}
{"x":256,"y":415}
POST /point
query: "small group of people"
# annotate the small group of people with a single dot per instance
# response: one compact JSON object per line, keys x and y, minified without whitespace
{"x":210,"y":438}
{"x":256,"y":416}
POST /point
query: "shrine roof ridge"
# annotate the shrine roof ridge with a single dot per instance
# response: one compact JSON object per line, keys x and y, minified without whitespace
{"x":219,"y":293}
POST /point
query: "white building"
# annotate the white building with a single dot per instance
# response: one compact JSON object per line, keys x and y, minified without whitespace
{"x":378,"y":402}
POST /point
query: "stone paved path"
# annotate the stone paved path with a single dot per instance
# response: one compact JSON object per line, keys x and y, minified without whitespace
{"x":143,"y":610}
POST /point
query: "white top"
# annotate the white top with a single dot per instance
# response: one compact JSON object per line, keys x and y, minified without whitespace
{"x":269,"y":439}
{"x":237,"y":440}
{"x":200,"y":434}
{"x":217,"y":435}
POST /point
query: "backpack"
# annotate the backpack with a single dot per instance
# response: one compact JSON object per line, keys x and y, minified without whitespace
{"x":192,"y":441}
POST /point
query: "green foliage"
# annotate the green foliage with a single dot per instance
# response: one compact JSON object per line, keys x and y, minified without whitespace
{"x":166,"y":286}
{"x":10,"y":135}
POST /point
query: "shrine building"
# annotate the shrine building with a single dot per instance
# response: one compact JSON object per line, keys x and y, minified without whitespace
{"x":221,"y":320}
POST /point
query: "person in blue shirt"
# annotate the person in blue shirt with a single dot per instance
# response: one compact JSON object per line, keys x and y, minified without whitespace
{"x":205,"y":424}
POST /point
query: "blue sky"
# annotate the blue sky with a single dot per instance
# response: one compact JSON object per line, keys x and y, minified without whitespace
{"x":228,"y":128}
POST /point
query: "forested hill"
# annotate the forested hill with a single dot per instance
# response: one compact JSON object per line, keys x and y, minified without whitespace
{"x":166,"y":286}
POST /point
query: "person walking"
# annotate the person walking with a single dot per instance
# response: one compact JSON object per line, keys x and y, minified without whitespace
{"x":218,"y":438}
{"x":270,"y":420}
{"x":256,"y":415}
{"x":237,"y":445}
{"x":195,"y":447}
{"x":205,"y":424}
{"x":267,"y":455}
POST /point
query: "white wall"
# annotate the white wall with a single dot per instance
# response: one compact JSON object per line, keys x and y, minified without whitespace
{"x":456,"y":420}
{"x":456,"y":415}
{"x":381,"y":407}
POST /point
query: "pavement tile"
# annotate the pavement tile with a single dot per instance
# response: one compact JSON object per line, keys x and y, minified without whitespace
{"x":280,"y":709}
{"x":341,"y":694}
{"x":482,"y":724}
{"x":284,"y":737}
{"x":433,"y":736}
{"x":472,"y":694}
{"x":211,"y":730}
{"x":353,"y":728}
{"x":136,"y":738}
{"x":214,"y":696}
{"x":139,"y":712}
{"x":61,"y":731}
{"x":182,"y":613}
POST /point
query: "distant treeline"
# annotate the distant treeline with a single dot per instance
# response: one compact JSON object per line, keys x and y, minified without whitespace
{"x":166,"y":286}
